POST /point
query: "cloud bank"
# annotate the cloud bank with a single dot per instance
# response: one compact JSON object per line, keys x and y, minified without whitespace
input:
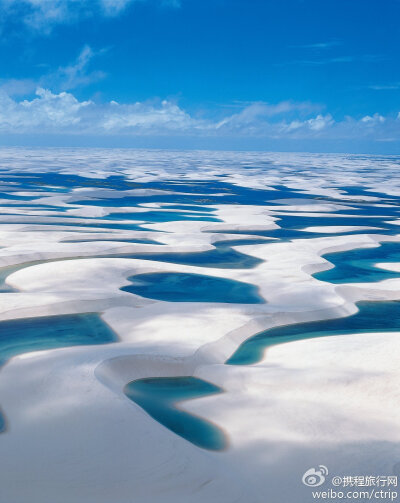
{"x":62,"y":113}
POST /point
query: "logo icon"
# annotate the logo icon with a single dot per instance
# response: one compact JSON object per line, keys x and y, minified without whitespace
{"x":315,"y":477}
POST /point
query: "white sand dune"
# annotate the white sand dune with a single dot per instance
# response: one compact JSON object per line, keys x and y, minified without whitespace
{"x":74,"y":437}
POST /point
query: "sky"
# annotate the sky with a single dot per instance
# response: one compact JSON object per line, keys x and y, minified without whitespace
{"x":286,"y":75}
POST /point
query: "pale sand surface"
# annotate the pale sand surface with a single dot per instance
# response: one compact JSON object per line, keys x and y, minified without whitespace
{"x":73,"y":436}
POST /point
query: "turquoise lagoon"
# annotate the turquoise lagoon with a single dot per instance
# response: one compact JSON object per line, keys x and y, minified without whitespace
{"x":24,"y":335}
{"x":182,"y":287}
{"x":358,"y":265}
{"x":159,"y":397}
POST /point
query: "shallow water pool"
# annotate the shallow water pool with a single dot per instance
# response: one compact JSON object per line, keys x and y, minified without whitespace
{"x":158,"y":396}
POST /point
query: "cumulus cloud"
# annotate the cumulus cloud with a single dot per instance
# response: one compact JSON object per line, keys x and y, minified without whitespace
{"x":253,"y":113}
{"x":48,"y":111}
{"x":318,"y":123}
{"x":62,"y":113}
{"x":43,"y":14}
{"x":373,"y":120}
{"x":145,"y":117}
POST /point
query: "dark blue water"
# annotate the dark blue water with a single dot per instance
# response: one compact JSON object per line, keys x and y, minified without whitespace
{"x":290,"y":224}
{"x":201,"y":192}
{"x":108,"y":220}
{"x":300,"y":221}
{"x":356,"y":266}
{"x":10,"y":195}
{"x":221,"y":257}
{"x":34,"y":181}
{"x":158,"y":396}
{"x":233,"y":193}
{"x":371,"y":317}
{"x":95,"y":225}
{"x":356,"y":190}
{"x":30,"y":207}
{"x":115,"y":239}
{"x":285,"y":235}
{"x":161,"y":216}
{"x":183,"y":287}
{"x":191,"y":207}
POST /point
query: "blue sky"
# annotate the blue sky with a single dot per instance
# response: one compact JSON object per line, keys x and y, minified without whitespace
{"x":305,"y":75}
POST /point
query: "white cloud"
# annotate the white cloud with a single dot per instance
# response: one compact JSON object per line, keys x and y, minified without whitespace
{"x":257,"y":112}
{"x":18,"y":87}
{"x":43,"y":14}
{"x":48,"y":111}
{"x":113,"y":7}
{"x":76,"y":74}
{"x":62,"y":113}
{"x":374,"y":119}
{"x":364,"y":58}
{"x":146,"y":117}
{"x":320,"y":122}
{"x":385,"y":87}
{"x":319,"y":45}
{"x":64,"y":78}
{"x":316,"y":124}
